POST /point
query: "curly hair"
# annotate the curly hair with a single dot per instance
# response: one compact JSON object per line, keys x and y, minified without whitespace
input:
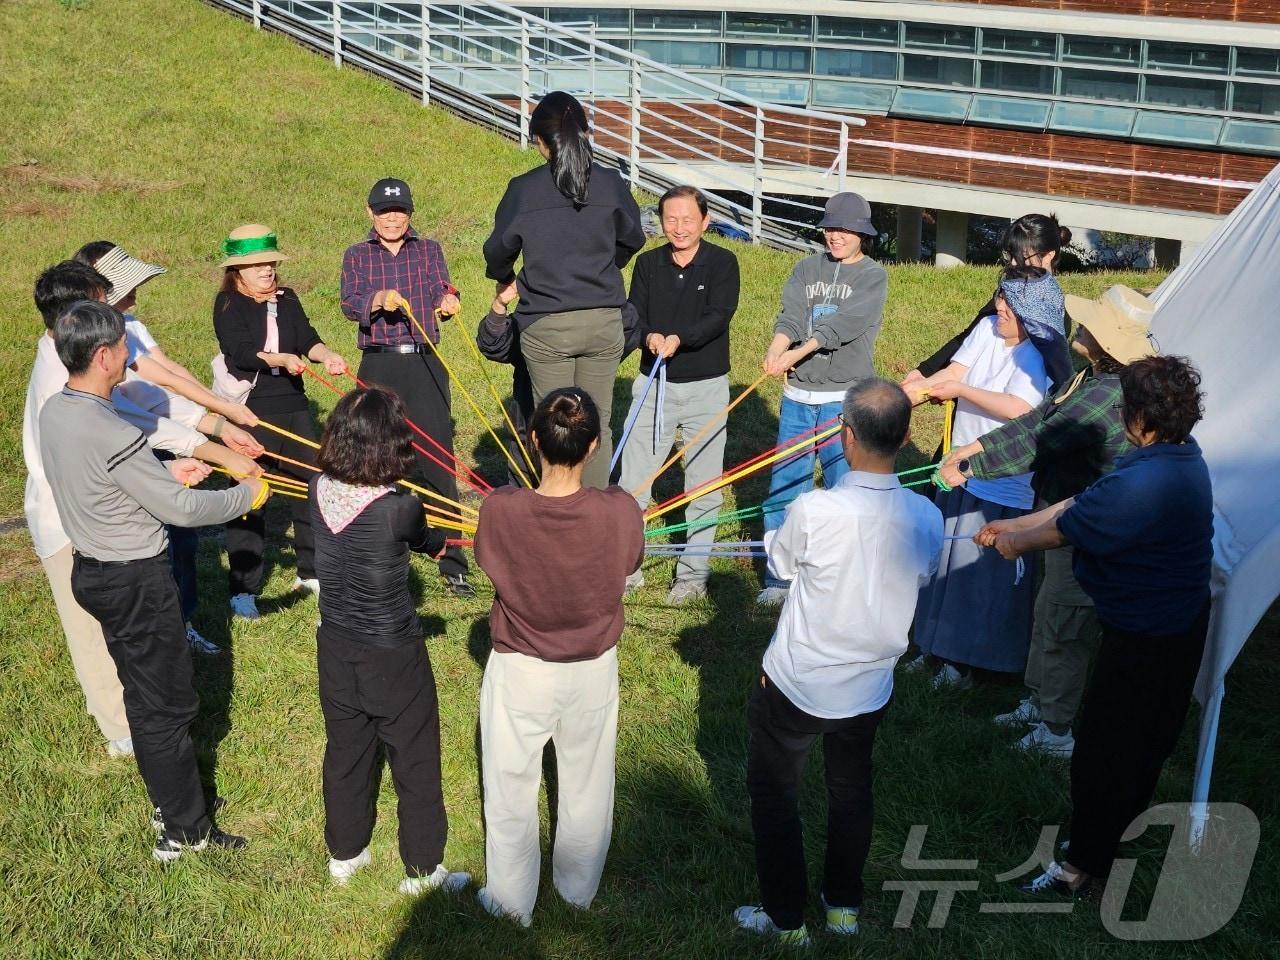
{"x":1162,"y":396}
{"x":366,"y":440}
{"x":564,"y":425}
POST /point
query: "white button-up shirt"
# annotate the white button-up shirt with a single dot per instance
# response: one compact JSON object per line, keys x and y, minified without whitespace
{"x":857,"y":556}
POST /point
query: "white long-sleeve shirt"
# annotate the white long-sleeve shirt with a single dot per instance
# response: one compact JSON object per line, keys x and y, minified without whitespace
{"x":48,"y":377}
{"x":857,"y":556}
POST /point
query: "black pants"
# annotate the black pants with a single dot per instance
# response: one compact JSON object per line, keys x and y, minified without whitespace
{"x":781,"y":736}
{"x":137,"y":605}
{"x":371,"y":695}
{"x":246,"y":537}
{"x":422,"y":384}
{"x":1133,"y":712}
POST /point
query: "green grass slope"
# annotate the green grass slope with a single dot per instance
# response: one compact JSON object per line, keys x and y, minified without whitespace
{"x":161,"y":124}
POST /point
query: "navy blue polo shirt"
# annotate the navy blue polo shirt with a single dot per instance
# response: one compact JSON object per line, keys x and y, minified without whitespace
{"x":1144,"y":539}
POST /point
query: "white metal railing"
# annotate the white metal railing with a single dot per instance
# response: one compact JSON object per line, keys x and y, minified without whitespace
{"x":491,"y":63}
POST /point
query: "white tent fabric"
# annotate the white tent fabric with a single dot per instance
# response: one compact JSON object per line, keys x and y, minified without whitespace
{"x":1222,"y":310}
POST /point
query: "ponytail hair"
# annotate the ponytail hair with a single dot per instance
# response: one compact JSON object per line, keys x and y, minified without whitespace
{"x":564,"y":425}
{"x":560,"y":122}
{"x":1033,"y":235}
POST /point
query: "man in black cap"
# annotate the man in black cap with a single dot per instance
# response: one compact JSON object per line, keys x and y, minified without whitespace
{"x":390,"y":268}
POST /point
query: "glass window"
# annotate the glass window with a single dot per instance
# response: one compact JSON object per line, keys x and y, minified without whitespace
{"x":1099,"y":85}
{"x":856,"y":96}
{"x":1252,"y":135}
{"x":856,"y":63}
{"x":1187,"y":56}
{"x":1008,"y":111}
{"x":1091,"y":118}
{"x":931,"y":35}
{"x":603,"y":19}
{"x":1019,"y":77}
{"x":678,"y":53}
{"x":931,"y":103}
{"x":941,"y":71}
{"x":1100,"y":49}
{"x":769,"y":25}
{"x":864,"y":31}
{"x":1256,"y":98}
{"x":1020,"y":43}
{"x":676,"y":86}
{"x":787,"y":59}
{"x":1258,"y":61}
{"x":1179,"y":127}
{"x":1186,"y":92}
{"x":773,"y":89}
{"x":675,"y":21}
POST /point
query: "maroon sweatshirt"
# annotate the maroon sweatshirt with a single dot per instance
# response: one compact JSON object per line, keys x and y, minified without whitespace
{"x":558,"y":566}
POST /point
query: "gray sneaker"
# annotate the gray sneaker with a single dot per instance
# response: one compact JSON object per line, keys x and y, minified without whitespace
{"x":200,"y":643}
{"x":1025,"y":713}
{"x":634,"y":582}
{"x":771,"y":597}
{"x":684,"y":591}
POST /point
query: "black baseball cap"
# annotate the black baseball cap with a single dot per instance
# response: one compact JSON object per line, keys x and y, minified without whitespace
{"x":390,"y":193}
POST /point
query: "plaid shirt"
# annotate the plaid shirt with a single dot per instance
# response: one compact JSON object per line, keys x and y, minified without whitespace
{"x":418,"y":273}
{"x":1069,"y":441}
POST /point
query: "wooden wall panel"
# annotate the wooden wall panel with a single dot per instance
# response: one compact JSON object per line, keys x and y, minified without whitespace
{"x":1248,"y":11}
{"x":813,"y":146}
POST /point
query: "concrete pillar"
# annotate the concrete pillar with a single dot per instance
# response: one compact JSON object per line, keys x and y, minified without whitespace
{"x":909,"y":220}
{"x":1167,"y":253}
{"x":953,"y":238}
{"x":1189,"y":248}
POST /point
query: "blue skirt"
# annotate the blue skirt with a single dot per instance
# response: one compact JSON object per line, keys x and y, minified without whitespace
{"x":971,"y":612}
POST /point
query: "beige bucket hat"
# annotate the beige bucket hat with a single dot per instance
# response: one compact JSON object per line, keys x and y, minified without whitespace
{"x":1120,"y":320}
{"x":251,"y":243}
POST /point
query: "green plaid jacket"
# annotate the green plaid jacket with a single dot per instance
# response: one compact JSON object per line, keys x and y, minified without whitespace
{"x":1068,"y":441}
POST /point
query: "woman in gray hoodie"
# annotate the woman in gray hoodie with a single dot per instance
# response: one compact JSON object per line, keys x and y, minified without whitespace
{"x":823,"y":340}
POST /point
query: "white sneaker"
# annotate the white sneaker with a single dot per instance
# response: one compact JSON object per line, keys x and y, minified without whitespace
{"x":1025,"y":713}
{"x":310,"y":585}
{"x":1043,"y":740}
{"x":634,"y":582}
{"x":343,"y":870}
{"x":245,"y":606}
{"x":442,"y":879}
{"x":949,"y":678}
{"x":120,"y":748}
{"x":683,"y":591}
{"x":755,"y":920}
{"x":772,"y":597}
{"x":201,"y":644}
{"x":495,"y":909}
{"x":917,"y":665}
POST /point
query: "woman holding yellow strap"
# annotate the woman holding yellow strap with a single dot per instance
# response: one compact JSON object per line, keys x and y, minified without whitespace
{"x":266,"y":340}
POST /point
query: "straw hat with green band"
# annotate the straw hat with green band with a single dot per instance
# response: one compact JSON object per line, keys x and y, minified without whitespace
{"x":1120,"y":320}
{"x":251,"y":243}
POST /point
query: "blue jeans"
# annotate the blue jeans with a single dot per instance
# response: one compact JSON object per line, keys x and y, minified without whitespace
{"x":184,"y":544}
{"x":794,"y":476}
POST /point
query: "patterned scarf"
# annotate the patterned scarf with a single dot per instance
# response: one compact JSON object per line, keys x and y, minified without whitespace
{"x":1041,"y":307}
{"x":340,"y":503}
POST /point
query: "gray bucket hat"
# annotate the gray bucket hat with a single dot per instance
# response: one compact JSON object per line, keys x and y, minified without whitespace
{"x":848,"y":211}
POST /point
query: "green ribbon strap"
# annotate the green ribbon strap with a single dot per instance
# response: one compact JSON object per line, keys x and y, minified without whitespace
{"x":237,"y":248}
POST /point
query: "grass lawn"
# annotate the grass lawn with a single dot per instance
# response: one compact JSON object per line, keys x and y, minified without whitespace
{"x":161,"y":124}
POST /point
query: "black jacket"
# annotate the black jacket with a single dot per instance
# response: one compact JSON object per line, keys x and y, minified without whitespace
{"x":240,"y":323}
{"x":573,"y":256}
{"x":695,"y":303}
{"x":364,"y":570}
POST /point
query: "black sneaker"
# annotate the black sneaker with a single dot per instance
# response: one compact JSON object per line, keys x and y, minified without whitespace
{"x":457,"y":585}
{"x":157,"y":818}
{"x":1054,"y":881}
{"x":168,"y":850}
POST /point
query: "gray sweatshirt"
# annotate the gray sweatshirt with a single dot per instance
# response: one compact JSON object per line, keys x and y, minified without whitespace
{"x":113,"y":496}
{"x":851,"y":298}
